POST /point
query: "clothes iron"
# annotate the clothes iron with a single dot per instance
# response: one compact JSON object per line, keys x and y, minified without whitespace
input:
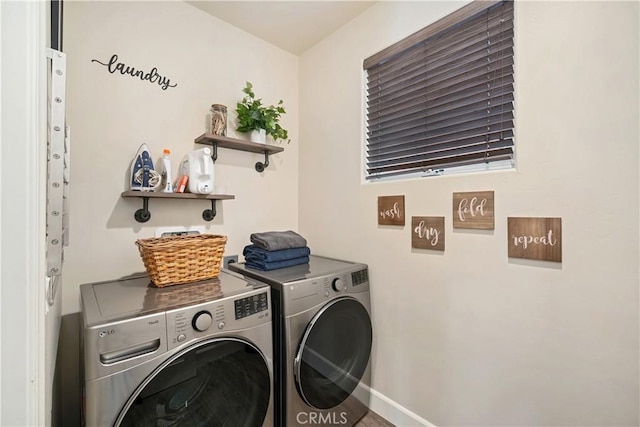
{"x":143,"y":176}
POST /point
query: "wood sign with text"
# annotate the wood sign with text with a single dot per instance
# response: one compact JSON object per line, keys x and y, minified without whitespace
{"x":391,"y":210}
{"x":473,"y":210}
{"x":427,"y":232}
{"x":535,"y":238}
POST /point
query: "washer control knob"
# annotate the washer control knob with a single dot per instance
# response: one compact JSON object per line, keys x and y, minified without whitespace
{"x":337,"y":285}
{"x":181,"y":337}
{"x":221,"y":325}
{"x":201,"y":321}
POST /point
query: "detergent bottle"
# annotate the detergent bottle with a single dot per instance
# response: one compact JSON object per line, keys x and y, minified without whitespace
{"x":200,"y":167}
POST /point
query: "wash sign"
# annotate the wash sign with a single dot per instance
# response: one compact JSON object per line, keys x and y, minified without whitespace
{"x":535,"y":238}
{"x":391,"y":210}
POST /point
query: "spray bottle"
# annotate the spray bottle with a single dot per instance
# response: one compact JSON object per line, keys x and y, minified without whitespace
{"x":165,"y":166}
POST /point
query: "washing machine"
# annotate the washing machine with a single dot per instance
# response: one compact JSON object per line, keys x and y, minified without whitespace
{"x":186,"y":355}
{"x":322,"y":340}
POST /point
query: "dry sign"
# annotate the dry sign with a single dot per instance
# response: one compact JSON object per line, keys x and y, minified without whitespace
{"x":391,"y":210}
{"x":473,"y":210}
{"x":427,"y":232}
{"x":535,"y":238}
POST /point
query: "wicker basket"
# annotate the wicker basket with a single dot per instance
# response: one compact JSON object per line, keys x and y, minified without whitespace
{"x":182,"y":259}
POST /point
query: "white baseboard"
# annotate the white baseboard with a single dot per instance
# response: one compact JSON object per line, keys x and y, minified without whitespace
{"x":395,"y":413}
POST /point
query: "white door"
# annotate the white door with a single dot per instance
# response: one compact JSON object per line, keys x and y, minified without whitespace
{"x":25,"y":378}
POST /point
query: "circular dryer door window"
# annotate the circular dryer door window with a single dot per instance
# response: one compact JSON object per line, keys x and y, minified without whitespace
{"x":333,"y":354}
{"x":218,"y":382}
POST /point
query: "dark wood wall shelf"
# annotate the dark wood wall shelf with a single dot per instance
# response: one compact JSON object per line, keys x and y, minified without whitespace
{"x":237,"y":144}
{"x":143,"y":215}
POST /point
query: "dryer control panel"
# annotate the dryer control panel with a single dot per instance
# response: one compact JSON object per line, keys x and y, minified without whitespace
{"x":355,"y":281}
{"x":300,"y":295}
{"x":360,"y":277}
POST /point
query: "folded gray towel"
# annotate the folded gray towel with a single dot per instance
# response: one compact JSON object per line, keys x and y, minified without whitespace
{"x":278,"y":240}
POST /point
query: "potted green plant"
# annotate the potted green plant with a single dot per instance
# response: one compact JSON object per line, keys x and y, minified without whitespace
{"x":254,"y":116}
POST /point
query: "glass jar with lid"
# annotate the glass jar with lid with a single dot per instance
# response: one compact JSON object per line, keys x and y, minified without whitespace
{"x":218,"y":122}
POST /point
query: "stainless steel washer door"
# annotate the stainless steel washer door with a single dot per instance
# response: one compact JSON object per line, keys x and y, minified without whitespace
{"x":333,"y":353}
{"x":217,"y":382}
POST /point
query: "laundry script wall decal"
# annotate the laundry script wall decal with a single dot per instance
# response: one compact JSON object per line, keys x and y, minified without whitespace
{"x":151,"y":76}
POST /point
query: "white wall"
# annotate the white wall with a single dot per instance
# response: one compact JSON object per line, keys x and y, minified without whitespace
{"x":111,"y":115}
{"x":469,"y":336}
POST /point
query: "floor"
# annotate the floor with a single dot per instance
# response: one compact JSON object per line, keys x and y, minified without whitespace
{"x":373,"y":420}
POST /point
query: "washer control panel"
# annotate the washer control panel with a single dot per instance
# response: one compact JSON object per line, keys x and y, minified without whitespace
{"x":226,"y":315}
{"x":201,"y":321}
{"x":250,"y":305}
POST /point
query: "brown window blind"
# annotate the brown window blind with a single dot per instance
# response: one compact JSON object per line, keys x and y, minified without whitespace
{"x":443,"y":97}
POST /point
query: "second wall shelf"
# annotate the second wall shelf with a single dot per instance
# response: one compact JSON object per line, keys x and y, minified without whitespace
{"x":237,"y":144}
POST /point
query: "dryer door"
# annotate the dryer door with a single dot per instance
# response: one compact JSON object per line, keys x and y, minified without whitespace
{"x":333,"y":354}
{"x":221,"y":382}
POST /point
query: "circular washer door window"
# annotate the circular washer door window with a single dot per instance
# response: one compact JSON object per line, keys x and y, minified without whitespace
{"x":333,"y":354}
{"x":219,"y":382}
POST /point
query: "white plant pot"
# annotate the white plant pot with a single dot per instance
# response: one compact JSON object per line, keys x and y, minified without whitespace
{"x":259,"y":136}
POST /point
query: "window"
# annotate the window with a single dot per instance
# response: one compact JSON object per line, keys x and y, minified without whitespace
{"x":443,"y":97}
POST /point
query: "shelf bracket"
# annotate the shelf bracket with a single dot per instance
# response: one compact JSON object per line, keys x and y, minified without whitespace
{"x":143,"y":215}
{"x":214,"y":152}
{"x":260,"y":166}
{"x":209,"y":214}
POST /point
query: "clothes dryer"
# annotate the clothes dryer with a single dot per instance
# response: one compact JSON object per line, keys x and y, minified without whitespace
{"x":322,"y":341}
{"x":186,"y":355}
